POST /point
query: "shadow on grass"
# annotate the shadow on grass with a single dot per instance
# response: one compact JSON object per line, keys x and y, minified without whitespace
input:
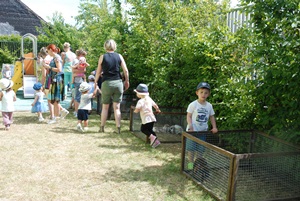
{"x":167,"y":177}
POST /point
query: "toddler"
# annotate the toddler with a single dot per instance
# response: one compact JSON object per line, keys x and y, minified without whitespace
{"x":6,"y":72}
{"x":144,"y":107}
{"x":91,"y":79}
{"x":81,"y":68}
{"x":84,"y":106}
{"x":7,"y":98}
{"x":38,"y":105}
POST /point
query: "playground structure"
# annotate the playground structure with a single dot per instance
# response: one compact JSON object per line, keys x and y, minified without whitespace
{"x":25,"y":70}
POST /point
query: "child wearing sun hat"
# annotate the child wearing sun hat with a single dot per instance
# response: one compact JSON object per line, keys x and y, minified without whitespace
{"x":38,"y":105}
{"x":144,"y":107}
{"x":7,"y":98}
{"x":84,"y":106}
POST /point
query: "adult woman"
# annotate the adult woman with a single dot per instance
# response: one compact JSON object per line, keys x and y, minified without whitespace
{"x":56,"y":89}
{"x":67,"y":57}
{"x":44,"y":57}
{"x":112,"y":85}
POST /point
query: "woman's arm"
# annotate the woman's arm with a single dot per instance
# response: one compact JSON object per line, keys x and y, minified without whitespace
{"x":99,"y":69}
{"x":125,"y":71}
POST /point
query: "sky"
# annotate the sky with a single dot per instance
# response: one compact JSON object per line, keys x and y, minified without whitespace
{"x":46,"y":8}
{"x":68,"y":8}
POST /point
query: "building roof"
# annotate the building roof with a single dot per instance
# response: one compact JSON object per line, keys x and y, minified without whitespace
{"x":17,"y":18}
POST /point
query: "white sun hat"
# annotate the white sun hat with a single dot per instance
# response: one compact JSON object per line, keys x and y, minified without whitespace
{"x":84,"y":86}
{"x":6,"y":84}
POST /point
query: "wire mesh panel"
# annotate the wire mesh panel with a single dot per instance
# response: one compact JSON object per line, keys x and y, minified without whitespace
{"x":170,"y":124}
{"x":242,"y":165}
{"x":268,"y":177}
{"x":207,"y":164}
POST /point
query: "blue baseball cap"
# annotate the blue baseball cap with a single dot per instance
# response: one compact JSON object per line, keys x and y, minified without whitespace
{"x":204,"y":85}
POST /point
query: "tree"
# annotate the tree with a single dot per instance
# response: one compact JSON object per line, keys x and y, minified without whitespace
{"x":276,"y":59}
{"x":58,"y":32}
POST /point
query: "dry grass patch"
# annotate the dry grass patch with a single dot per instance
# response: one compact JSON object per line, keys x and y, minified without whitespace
{"x":56,"y":162}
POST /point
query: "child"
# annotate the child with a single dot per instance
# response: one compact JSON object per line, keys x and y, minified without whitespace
{"x":84,"y":106}
{"x":198,"y":114}
{"x":7,"y":98}
{"x":144,"y":106}
{"x":91,"y":79}
{"x":6,"y":72}
{"x":81,"y":68}
{"x":38,"y":105}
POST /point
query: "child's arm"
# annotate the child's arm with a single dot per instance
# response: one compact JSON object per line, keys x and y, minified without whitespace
{"x":35,"y":99}
{"x":15,"y":97}
{"x":1,"y":95}
{"x":136,"y":110}
{"x":95,"y":92}
{"x":214,"y":124}
{"x":156,"y":107}
{"x":189,"y":121}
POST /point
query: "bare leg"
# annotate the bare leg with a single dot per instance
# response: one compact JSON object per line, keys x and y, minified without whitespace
{"x":76,"y":104}
{"x":104,"y":113}
{"x":86,"y":123}
{"x":117,"y":113}
{"x":56,"y":106}
{"x":50,"y":106}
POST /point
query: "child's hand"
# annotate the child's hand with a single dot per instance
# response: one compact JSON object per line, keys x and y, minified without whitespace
{"x":157,"y":111}
{"x":32,"y":104}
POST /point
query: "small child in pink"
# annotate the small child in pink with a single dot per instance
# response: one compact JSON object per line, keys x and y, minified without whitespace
{"x":144,"y":107}
{"x":7,"y":99}
{"x":81,"y":68}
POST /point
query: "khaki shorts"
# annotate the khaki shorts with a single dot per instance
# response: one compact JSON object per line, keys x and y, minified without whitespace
{"x":112,"y":90}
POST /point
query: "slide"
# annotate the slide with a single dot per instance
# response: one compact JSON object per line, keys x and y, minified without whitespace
{"x":27,"y":79}
{"x":18,"y":76}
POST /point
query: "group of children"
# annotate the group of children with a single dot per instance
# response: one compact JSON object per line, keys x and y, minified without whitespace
{"x":199,"y":112}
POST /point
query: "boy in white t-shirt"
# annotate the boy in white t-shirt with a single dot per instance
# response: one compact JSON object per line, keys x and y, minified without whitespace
{"x":199,"y":112}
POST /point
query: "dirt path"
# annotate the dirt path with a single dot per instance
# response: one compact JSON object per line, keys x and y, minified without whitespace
{"x":56,"y":162}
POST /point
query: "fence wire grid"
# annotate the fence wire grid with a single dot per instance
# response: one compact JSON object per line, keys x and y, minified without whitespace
{"x":170,"y":124}
{"x":242,"y":165}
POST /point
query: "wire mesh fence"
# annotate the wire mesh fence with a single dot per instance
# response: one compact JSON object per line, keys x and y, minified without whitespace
{"x":169,"y":125}
{"x":242,"y":165}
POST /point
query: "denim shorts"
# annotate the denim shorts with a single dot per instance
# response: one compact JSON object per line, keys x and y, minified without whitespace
{"x":77,"y":92}
{"x":194,"y":146}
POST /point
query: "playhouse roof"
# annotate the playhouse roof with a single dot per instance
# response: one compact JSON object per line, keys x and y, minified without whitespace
{"x":17,"y":18}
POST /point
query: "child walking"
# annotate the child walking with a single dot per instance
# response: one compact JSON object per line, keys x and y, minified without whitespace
{"x":38,"y":105}
{"x":7,"y":98}
{"x":144,"y":107}
{"x":84,"y":106}
{"x":199,"y":112}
